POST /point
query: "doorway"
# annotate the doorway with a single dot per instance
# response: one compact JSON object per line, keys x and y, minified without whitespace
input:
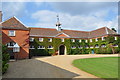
{"x":10,"y":51}
{"x":62,"y":50}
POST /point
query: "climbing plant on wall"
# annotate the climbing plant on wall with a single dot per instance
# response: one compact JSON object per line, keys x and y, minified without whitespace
{"x":56,"y":42}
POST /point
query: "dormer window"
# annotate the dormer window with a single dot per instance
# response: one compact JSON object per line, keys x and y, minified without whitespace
{"x":41,"y":39}
{"x":86,"y":41}
{"x":62,"y":40}
{"x":115,"y":38}
{"x":103,"y":38}
{"x":90,"y":40}
{"x":31,"y":39}
{"x":11,"y":33}
{"x":80,"y":40}
{"x":96,"y":39}
{"x":49,"y":39}
{"x":73,"y":40}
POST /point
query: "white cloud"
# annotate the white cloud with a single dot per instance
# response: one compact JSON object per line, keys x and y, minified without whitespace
{"x":82,"y":8}
{"x":78,"y":22}
{"x":13,"y":9}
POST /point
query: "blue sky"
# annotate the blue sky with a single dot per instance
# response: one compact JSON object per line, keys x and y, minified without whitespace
{"x":84,"y":16}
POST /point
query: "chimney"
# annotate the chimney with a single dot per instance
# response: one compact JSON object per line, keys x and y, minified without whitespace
{"x":0,"y":16}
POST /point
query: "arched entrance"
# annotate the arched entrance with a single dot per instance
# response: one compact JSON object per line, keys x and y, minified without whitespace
{"x":62,"y":50}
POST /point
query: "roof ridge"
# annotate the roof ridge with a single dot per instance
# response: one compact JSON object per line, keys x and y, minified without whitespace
{"x":98,"y":29}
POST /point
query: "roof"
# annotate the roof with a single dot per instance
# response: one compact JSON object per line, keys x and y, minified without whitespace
{"x":13,"y":23}
{"x":49,"y":32}
{"x":43,"y":32}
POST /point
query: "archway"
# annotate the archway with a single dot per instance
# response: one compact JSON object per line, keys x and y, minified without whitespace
{"x":62,"y":50}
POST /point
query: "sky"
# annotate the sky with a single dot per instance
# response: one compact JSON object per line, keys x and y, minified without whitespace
{"x":85,"y":16}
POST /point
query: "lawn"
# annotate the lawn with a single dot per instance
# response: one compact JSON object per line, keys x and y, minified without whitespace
{"x":106,"y":67}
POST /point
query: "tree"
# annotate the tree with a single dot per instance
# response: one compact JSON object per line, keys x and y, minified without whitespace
{"x":5,"y":59}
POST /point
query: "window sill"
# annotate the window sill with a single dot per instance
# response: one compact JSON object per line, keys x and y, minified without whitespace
{"x":10,"y":46}
{"x":49,"y":48}
{"x":11,"y":36}
{"x":31,"y":48}
{"x":41,"y":48}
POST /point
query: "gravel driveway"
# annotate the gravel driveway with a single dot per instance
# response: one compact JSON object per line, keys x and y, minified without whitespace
{"x":49,"y":67}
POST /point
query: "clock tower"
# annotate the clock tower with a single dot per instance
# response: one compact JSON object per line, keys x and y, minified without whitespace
{"x":58,"y":24}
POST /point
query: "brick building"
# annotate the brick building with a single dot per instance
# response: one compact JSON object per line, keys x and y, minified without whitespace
{"x":48,"y":41}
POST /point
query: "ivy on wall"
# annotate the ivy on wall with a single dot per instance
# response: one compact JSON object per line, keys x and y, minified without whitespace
{"x":56,"y":42}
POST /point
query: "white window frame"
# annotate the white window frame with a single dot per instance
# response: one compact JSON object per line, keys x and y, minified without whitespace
{"x":96,"y":46}
{"x":31,"y":39}
{"x":11,"y":33}
{"x":73,"y":40}
{"x":91,"y":47}
{"x":103,"y":38}
{"x":80,"y":47}
{"x":73,"y":47}
{"x":40,"y":47}
{"x":32,"y":47}
{"x":41,"y":39}
{"x":96,"y":39}
{"x":87,"y":47}
{"x":103,"y":46}
{"x":9,"y":46}
{"x":86,"y":41}
{"x":115,"y":45}
{"x":90,"y":40}
{"x":80,"y":40}
{"x":16,"y":49}
{"x":50,"y":40}
{"x":115,"y":38}
{"x":49,"y":47}
{"x":62,"y":40}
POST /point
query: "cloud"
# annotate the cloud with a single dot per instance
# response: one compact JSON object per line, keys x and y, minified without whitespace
{"x":13,"y":9}
{"x":47,"y":19}
{"x":81,"y":8}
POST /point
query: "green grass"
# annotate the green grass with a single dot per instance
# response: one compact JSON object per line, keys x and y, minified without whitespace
{"x":106,"y":67}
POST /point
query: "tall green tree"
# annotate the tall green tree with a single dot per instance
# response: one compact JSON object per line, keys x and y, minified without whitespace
{"x":5,"y":59}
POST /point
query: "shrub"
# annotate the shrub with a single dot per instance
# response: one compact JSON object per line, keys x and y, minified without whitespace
{"x":5,"y":59}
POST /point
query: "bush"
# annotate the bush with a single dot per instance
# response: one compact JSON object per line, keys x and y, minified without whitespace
{"x":5,"y":59}
{"x":4,"y":67}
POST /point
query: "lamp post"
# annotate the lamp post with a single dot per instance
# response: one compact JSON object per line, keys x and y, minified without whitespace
{"x":16,"y":49}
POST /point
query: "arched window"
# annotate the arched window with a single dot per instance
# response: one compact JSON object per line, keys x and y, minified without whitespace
{"x":96,"y":46}
{"x":103,"y":45}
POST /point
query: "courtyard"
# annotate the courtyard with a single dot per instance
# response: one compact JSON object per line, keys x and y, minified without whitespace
{"x":50,"y":67}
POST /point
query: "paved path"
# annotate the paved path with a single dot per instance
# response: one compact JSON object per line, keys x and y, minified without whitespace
{"x":49,"y":67}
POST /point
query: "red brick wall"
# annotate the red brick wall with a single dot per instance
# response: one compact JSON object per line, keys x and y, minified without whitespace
{"x":21,"y":37}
